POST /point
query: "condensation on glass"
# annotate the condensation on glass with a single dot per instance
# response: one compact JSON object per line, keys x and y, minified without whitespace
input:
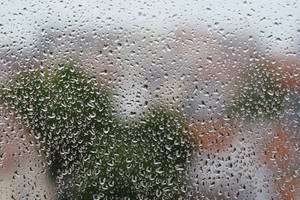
{"x":149,"y":99}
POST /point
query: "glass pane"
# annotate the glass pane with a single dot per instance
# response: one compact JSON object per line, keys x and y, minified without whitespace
{"x":149,"y":99}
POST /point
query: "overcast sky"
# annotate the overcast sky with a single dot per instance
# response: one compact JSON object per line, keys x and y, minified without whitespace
{"x":275,"y":22}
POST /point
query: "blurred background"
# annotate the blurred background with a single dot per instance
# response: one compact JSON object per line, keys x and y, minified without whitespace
{"x":231,"y":68}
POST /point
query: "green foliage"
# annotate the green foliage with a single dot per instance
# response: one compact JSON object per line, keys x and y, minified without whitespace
{"x":145,"y":160}
{"x":61,"y":110}
{"x":259,"y":94}
{"x":89,"y":150}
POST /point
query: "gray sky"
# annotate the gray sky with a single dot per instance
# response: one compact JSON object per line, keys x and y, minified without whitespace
{"x":276,"y":23}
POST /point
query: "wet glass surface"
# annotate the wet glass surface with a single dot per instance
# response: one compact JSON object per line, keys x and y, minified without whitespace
{"x":149,"y":100}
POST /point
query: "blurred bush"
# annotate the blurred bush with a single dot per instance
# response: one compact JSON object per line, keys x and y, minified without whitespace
{"x":260,"y":93}
{"x":90,"y":151}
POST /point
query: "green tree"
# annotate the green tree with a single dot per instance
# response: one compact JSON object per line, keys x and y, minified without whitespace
{"x":90,"y":151}
{"x":259,"y":94}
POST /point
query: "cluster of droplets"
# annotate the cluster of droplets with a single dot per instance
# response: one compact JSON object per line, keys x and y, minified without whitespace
{"x":90,"y":150}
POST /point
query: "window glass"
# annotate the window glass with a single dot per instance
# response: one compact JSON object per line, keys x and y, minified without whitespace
{"x":149,"y":99}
